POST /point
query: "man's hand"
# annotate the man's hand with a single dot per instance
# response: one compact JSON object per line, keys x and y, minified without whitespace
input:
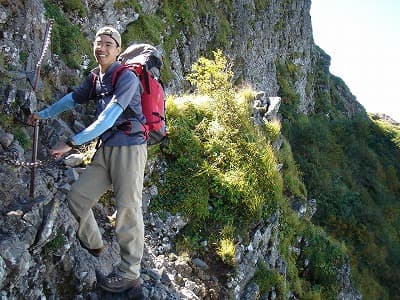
{"x":32,"y":119}
{"x":60,"y":150}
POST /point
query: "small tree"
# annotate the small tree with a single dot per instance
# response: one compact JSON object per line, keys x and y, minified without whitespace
{"x":212,"y":77}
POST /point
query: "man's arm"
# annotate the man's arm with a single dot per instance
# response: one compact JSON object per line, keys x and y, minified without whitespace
{"x":65,"y":103}
{"x":104,"y":121}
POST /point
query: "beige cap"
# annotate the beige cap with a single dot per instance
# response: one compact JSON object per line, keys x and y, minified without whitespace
{"x":111,"y":32}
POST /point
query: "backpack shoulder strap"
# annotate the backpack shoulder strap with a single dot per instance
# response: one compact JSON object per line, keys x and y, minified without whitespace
{"x":137,"y":68}
{"x":117,"y":73}
{"x":92,"y":94}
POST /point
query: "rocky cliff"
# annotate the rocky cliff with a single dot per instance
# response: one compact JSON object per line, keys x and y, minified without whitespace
{"x":39,"y":254}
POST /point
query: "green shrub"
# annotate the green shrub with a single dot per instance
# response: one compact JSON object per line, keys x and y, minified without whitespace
{"x":272,"y":130}
{"x":261,"y":5}
{"x":74,"y":6}
{"x":287,"y":74}
{"x":268,"y":279}
{"x":118,"y":5}
{"x":179,"y":14}
{"x":23,"y":57}
{"x":67,"y":39}
{"x":6,"y":120}
{"x":56,"y":243}
{"x":21,"y":136}
{"x":293,"y":184}
{"x":146,"y":29}
{"x":326,"y":257}
{"x":7,"y":123}
{"x":223,"y":32}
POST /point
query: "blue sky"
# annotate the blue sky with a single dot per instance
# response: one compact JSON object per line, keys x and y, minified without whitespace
{"x":362,"y":37}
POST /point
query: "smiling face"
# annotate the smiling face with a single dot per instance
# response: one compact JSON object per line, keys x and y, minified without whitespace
{"x":106,"y":51}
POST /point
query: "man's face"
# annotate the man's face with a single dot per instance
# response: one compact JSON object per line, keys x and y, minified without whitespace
{"x":105,"y":50}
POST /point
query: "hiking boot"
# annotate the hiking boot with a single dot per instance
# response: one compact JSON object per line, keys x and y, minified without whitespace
{"x":115,"y":283}
{"x":95,"y":252}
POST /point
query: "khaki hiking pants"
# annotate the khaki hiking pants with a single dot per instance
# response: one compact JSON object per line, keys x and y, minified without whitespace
{"x":121,"y":168}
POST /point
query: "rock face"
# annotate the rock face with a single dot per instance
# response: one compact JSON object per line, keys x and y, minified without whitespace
{"x":40,"y":257}
{"x":347,"y":291}
{"x":260,"y":35}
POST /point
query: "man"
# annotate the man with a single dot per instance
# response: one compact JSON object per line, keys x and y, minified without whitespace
{"x":119,"y":162}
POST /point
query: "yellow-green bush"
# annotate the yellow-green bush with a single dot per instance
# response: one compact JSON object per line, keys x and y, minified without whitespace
{"x":221,"y":169}
{"x":226,"y":251}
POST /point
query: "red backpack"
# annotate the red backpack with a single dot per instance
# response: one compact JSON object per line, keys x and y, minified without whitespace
{"x":146,"y":61}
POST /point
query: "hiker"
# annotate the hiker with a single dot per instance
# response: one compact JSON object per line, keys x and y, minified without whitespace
{"x":119,"y":161}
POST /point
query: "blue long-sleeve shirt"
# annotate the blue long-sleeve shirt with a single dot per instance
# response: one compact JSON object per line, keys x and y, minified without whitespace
{"x":112,"y":103}
{"x":107,"y":91}
{"x":104,"y":121}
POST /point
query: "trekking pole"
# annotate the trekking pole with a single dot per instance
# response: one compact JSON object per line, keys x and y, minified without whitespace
{"x":45,"y":45}
{"x":34,"y":158}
